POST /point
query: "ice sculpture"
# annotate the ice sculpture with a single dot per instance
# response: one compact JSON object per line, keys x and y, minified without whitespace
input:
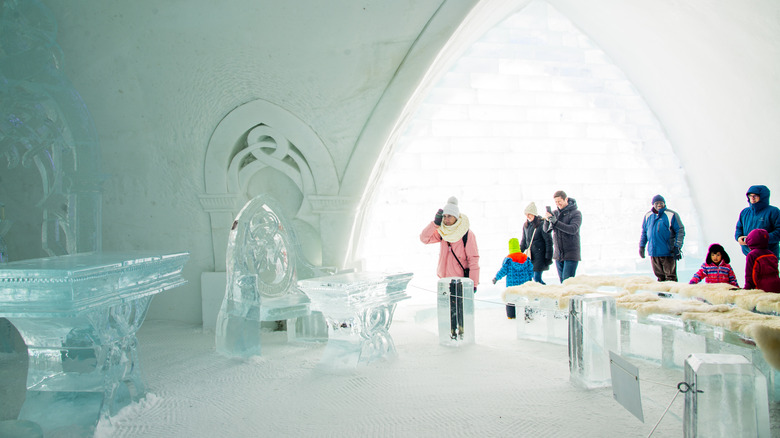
{"x":456,"y":311}
{"x":78,"y":315}
{"x":358,"y":308}
{"x":45,"y":127}
{"x":726,"y":396}
{"x":263,"y":263}
{"x":593,"y":332}
{"x":541,"y":319}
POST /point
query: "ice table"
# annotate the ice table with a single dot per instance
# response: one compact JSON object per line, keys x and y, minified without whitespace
{"x":358,"y":308}
{"x":78,"y":315}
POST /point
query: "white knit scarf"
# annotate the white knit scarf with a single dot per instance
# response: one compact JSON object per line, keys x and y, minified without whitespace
{"x":455,"y":232}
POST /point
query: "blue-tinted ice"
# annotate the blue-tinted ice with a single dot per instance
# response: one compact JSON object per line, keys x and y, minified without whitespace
{"x":78,"y":315}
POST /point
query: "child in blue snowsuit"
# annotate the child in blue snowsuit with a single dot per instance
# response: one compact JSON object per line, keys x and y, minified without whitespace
{"x":517,"y":269}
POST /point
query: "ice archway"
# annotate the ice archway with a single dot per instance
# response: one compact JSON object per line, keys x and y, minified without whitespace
{"x":531,"y":107}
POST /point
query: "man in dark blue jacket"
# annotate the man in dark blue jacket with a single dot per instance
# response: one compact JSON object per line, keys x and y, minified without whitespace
{"x":759,"y":214}
{"x":663,"y":234}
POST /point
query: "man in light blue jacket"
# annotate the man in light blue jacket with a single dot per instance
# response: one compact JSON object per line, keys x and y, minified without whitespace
{"x":663,"y":233}
{"x":759,"y":214}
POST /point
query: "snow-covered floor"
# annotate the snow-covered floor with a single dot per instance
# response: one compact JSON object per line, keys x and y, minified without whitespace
{"x":500,"y":386}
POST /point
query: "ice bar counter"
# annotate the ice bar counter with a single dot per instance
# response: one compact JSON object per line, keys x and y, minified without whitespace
{"x":78,"y":315}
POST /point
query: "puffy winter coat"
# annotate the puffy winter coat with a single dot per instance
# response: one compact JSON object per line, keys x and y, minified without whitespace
{"x":760,"y":215}
{"x":712,"y":273}
{"x":662,"y":230}
{"x":468,"y":254}
{"x":541,"y":246}
{"x":517,"y":268}
{"x":761,"y":264}
{"x":565,"y":228}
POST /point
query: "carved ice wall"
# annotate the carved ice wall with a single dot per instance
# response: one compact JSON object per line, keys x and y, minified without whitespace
{"x":259,"y":148}
{"x":47,"y":140}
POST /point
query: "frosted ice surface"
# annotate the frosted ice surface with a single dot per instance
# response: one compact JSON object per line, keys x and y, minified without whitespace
{"x":455,"y":306}
{"x":78,"y":315}
{"x":728,"y":397}
{"x":593,"y":332}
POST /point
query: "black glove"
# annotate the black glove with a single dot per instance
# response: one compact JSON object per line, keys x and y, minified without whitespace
{"x":437,"y":218}
{"x":494,"y":281}
{"x":475,"y":289}
{"x":642,"y":251}
{"x":676,"y":253}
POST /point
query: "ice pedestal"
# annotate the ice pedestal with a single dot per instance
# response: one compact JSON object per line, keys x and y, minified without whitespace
{"x":358,"y":309}
{"x":542,"y":319}
{"x":727,"y":397}
{"x":78,"y":315}
{"x":455,"y":307}
{"x":593,"y":332}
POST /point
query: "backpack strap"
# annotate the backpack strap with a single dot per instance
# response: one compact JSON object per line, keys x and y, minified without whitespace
{"x":755,"y":265}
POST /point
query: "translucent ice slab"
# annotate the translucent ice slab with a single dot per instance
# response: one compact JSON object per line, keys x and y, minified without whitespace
{"x":542,"y":319}
{"x":78,"y":315}
{"x":727,"y":397}
{"x":593,"y":332}
{"x":358,"y":308}
{"x":455,"y":307}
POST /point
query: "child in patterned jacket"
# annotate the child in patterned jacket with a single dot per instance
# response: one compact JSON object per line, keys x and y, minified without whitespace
{"x":716,"y":268}
{"x":517,"y":268}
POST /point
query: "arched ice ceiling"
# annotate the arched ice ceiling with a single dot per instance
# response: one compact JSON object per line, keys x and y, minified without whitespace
{"x":159,"y":76}
{"x":708,"y":70}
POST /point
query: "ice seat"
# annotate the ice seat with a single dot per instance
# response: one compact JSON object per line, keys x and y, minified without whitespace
{"x":263,"y":263}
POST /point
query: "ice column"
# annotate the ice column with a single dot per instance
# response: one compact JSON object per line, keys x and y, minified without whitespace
{"x":727,"y":397}
{"x":456,"y":311}
{"x":593,"y":331}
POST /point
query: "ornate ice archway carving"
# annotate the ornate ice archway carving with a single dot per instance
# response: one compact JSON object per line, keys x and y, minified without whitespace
{"x":254,"y":138}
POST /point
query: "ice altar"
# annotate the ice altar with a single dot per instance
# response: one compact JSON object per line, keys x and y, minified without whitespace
{"x":358,"y":308}
{"x":78,"y":315}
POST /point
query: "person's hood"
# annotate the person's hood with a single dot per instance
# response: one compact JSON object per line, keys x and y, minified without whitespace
{"x":571,"y":206}
{"x":758,"y":239}
{"x":763,"y":193}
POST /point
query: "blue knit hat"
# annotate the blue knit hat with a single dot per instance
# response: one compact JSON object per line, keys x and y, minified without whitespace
{"x":658,"y":198}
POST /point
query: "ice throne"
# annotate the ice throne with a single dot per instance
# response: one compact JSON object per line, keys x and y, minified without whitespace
{"x":264,"y":262}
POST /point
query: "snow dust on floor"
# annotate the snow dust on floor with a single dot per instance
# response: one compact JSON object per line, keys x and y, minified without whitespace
{"x":500,"y":386}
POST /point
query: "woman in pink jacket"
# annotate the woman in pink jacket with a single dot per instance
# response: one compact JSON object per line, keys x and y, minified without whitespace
{"x":457,"y":244}
{"x":458,"y":253}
